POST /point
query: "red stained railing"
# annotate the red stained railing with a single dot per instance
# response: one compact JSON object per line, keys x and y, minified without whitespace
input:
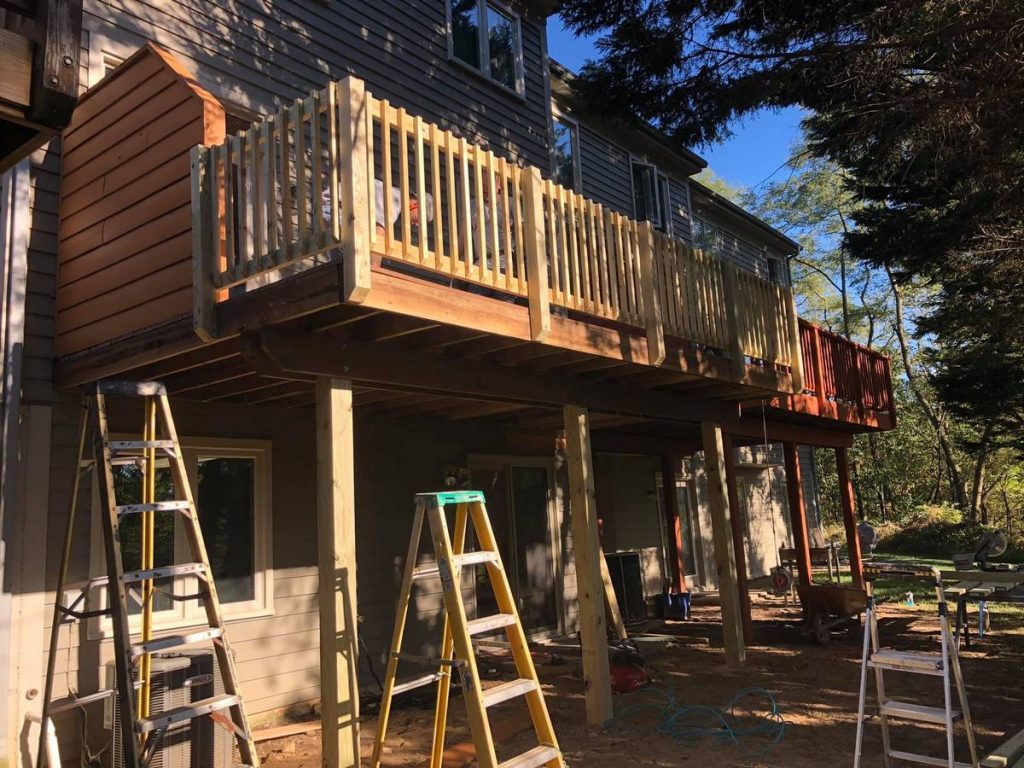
{"x":839,"y":370}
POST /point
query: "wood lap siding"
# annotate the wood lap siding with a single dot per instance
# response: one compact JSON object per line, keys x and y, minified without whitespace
{"x":260,"y":56}
{"x":125,"y":228}
{"x":605,"y":172}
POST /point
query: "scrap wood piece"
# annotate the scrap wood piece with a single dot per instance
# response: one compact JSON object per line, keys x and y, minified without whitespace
{"x":281,"y":731}
{"x":461,"y":755}
{"x":1007,"y":753}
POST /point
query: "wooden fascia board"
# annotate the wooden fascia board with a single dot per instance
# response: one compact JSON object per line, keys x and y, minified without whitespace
{"x":365,"y":362}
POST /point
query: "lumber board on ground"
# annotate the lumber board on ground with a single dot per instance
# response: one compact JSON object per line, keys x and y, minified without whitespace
{"x":1009,"y":753}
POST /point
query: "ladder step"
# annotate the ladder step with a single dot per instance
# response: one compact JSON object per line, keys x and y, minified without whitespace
{"x":911,"y":757}
{"x":119,"y":446}
{"x":157,"y":506}
{"x":189,"y":712}
{"x":509,"y":690}
{"x":468,"y":558}
{"x":490,"y":623}
{"x":416,"y":682}
{"x":175,"y":641}
{"x":167,"y":571}
{"x":906,"y":661}
{"x":918,"y":712}
{"x":536,"y":757}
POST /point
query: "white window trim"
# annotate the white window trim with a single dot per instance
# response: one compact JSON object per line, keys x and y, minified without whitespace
{"x":639,"y":160}
{"x":703,"y":223}
{"x":191,"y":613}
{"x":483,"y":47}
{"x":558,"y":116}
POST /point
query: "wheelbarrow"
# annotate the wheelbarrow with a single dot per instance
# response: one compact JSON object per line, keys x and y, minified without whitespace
{"x":828,"y":606}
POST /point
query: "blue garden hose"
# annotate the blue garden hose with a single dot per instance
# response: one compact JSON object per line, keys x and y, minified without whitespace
{"x":693,"y":722}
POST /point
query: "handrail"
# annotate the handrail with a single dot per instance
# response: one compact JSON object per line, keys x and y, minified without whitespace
{"x":841,"y":370}
{"x":341,"y":173}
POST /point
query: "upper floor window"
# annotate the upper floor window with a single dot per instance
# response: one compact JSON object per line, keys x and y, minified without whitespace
{"x":777,"y":272}
{"x":486,"y":36}
{"x":651,"y":196}
{"x":566,"y":154}
{"x":705,"y":237}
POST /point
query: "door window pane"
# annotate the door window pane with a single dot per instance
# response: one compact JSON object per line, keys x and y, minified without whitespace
{"x":466,"y":31}
{"x":502,"y":44}
{"x":566,"y":151}
{"x":128,"y":490}
{"x":226,"y":502}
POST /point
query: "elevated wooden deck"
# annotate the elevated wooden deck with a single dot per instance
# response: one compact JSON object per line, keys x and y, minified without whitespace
{"x":346,"y":220}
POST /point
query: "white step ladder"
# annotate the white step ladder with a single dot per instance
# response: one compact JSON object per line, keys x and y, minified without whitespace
{"x":939,"y":665}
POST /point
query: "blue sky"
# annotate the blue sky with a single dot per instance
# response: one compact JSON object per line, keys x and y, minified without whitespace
{"x":758,"y":148}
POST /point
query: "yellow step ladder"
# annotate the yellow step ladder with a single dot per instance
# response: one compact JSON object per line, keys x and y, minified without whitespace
{"x":144,"y":730}
{"x":457,"y":644}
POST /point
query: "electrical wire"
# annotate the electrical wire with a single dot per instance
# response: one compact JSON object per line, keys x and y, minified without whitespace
{"x":695,"y":722}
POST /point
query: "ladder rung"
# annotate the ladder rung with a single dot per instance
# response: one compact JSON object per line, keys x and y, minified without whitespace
{"x":416,"y":682}
{"x":509,"y":690}
{"x":117,"y":446}
{"x":189,"y":712}
{"x":918,"y":712}
{"x":175,"y":641}
{"x":536,"y":757}
{"x":165,"y":572}
{"x":911,"y":757}
{"x":156,"y":506}
{"x":467,"y":558}
{"x":907,"y":661}
{"x":80,"y":701}
{"x":490,"y":623}
{"x":429,"y":661}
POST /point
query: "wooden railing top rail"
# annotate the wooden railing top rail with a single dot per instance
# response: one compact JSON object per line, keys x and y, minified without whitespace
{"x":339,"y":174}
{"x":842,"y":370}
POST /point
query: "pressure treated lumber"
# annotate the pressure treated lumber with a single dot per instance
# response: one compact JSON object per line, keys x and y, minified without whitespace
{"x":583,"y":511}
{"x":721,"y":532}
{"x":336,"y":532}
{"x":797,"y":511}
{"x":849,"y":517}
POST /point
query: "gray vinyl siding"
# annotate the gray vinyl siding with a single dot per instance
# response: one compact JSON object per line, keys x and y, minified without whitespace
{"x":604,"y":168}
{"x":44,"y":195}
{"x":259,"y":56}
{"x":679,"y":191}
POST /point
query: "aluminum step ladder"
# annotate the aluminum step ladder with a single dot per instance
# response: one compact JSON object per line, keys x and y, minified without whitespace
{"x":944,"y":665}
{"x":451,"y":561}
{"x":141,"y":739}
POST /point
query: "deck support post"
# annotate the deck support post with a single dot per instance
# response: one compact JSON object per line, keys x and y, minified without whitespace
{"x":536,"y":255}
{"x":336,"y":529}
{"x":583,"y":509}
{"x":673,"y":523}
{"x":796,"y":360}
{"x":355,"y":181}
{"x":205,"y":245}
{"x":738,"y":543}
{"x":721,"y":531}
{"x":732,"y":321}
{"x":797,"y":511}
{"x":850,"y":517}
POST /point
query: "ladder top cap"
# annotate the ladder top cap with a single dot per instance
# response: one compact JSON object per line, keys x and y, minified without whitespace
{"x":130,"y":388}
{"x":451,"y":497}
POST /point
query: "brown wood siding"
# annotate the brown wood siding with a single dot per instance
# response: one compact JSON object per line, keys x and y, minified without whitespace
{"x":261,"y":56}
{"x":125,"y":216}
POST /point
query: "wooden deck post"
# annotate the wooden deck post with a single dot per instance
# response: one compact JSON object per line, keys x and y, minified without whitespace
{"x":205,"y":247}
{"x":797,"y":512}
{"x":738,"y":543}
{"x":673,"y":522}
{"x":536,"y":255}
{"x":356,"y":184}
{"x":850,"y":517}
{"x":732,"y":320}
{"x":652,"y":305}
{"x":336,"y":530}
{"x":583,"y":509}
{"x":721,"y":531}
{"x":796,"y":360}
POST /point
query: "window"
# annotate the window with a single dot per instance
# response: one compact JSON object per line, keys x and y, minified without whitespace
{"x":646,"y":203}
{"x":777,"y":272}
{"x":705,"y":237}
{"x":230,"y":482}
{"x":486,"y":36}
{"x":566,"y":154}
{"x":665,"y":204}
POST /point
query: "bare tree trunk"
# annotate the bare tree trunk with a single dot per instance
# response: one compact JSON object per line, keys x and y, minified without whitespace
{"x":855,"y":471}
{"x":978,"y":489}
{"x":957,"y":487}
{"x":1009,"y":520}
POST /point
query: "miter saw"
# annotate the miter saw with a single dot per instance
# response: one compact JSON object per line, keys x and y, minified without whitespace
{"x":991,"y":545}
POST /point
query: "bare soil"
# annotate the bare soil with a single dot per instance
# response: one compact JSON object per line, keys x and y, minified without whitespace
{"x":815,"y":687}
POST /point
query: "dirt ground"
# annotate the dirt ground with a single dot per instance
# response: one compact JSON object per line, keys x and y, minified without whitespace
{"x":815,"y":688}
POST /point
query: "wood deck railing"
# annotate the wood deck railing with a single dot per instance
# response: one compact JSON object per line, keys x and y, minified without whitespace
{"x":341,"y":173}
{"x":839,"y":370}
